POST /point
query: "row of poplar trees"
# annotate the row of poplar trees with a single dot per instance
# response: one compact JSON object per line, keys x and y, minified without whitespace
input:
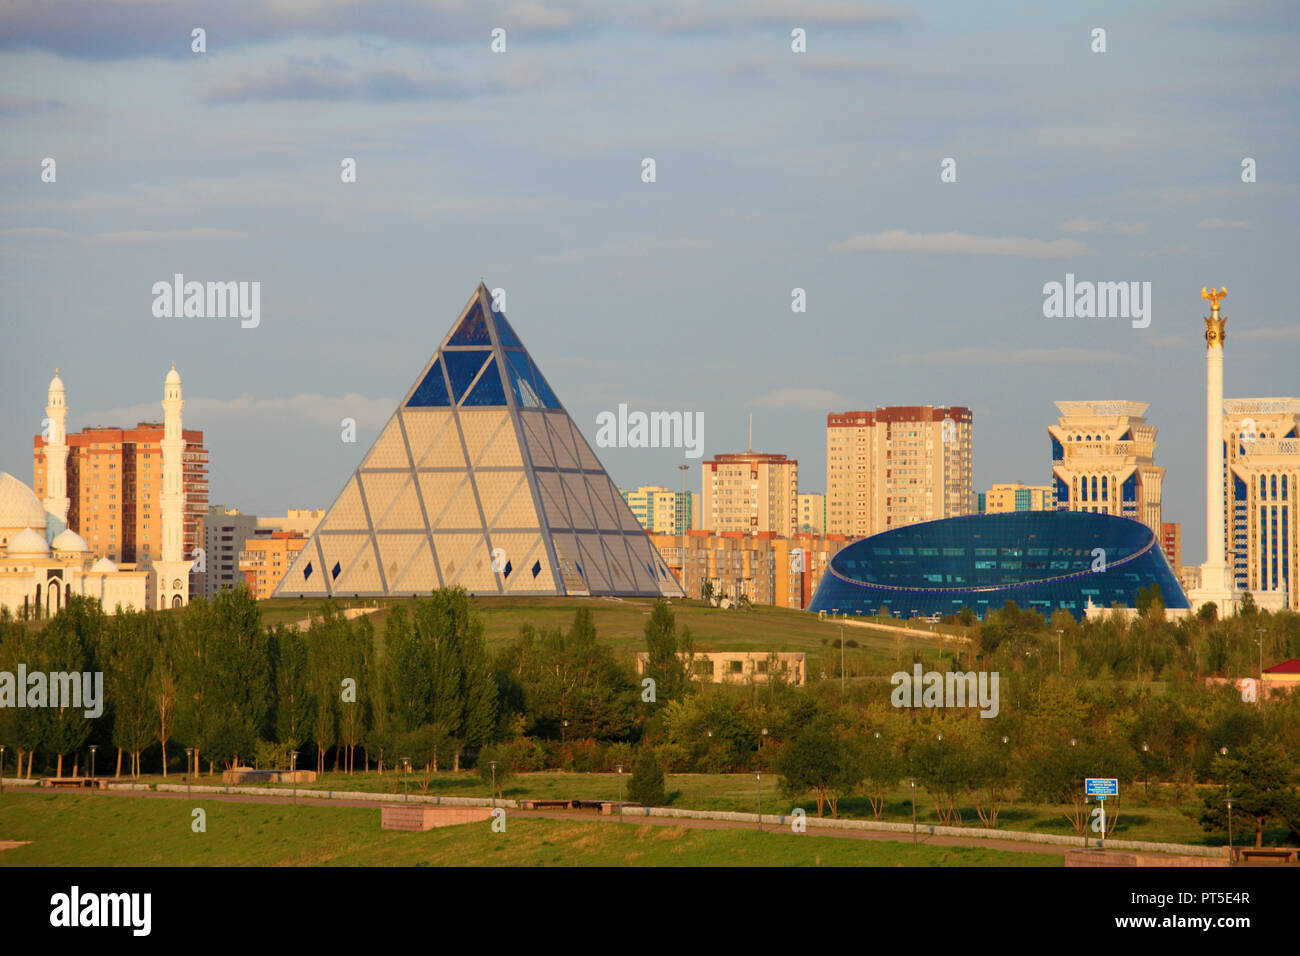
{"x":212,"y":683}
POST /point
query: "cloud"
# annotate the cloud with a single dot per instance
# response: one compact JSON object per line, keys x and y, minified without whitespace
{"x":818,"y":399}
{"x":330,"y":81}
{"x":828,"y":65}
{"x":27,"y":105}
{"x":684,"y":16}
{"x":1066,"y":355}
{"x":303,"y":410}
{"x":108,"y":30}
{"x":1284,"y":333}
{"x":1104,"y":225}
{"x":162,"y":235}
{"x":1213,"y":223}
{"x":120,"y":238}
{"x":961,"y":244}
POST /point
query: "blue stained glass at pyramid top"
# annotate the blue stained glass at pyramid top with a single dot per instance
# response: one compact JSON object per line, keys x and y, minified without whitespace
{"x":488,"y":391}
{"x":544,"y":389}
{"x":505,"y":332}
{"x":462,"y":367}
{"x":432,"y":390}
{"x":472,"y":330}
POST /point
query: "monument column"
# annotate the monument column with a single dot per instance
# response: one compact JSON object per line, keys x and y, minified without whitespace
{"x":1216,"y":583}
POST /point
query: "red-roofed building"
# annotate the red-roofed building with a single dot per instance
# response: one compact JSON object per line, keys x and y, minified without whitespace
{"x":1281,"y":678}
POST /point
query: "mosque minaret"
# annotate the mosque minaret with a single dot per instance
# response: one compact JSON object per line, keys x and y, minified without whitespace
{"x":56,"y":493}
{"x":172,"y":572}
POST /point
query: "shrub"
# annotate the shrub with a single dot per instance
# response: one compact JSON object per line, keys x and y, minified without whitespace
{"x":647,"y":784}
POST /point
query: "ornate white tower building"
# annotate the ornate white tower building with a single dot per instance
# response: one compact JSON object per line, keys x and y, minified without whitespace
{"x":1216,"y":585}
{"x":56,"y":452}
{"x":172,"y":572}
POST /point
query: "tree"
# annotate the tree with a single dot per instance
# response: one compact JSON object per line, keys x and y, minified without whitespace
{"x":881,"y":770}
{"x":505,"y":767}
{"x":1257,"y":779}
{"x":819,"y":759}
{"x":553,"y":677}
{"x":670,"y":658}
{"x":128,"y":656}
{"x":647,"y":784}
{"x":294,"y":703}
{"x":440,"y":670}
{"x":164,"y":686}
{"x":65,"y":646}
{"x":942,"y":767}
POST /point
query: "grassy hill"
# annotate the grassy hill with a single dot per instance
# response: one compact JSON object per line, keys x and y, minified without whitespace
{"x":620,"y":623}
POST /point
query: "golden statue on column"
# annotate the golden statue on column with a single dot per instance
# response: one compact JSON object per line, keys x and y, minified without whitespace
{"x":1214,"y":324}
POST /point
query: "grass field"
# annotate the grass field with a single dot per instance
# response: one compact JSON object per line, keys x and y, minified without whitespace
{"x":1154,"y":820}
{"x":620,"y":623}
{"x":118,"y":830}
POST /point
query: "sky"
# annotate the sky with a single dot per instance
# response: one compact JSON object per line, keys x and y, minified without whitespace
{"x":774,"y":171}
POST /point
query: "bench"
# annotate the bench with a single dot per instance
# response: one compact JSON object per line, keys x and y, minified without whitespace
{"x":1270,"y":855}
{"x":547,"y":804}
{"x":79,"y":782}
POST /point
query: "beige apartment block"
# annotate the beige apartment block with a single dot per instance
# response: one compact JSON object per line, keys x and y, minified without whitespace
{"x":1103,"y":461}
{"x":763,"y":568}
{"x":1260,"y":494}
{"x":812,"y":513}
{"x":264,"y":560}
{"x":752,"y":492}
{"x":663,"y":510}
{"x":1016,"y":497}
{"x":738,"y":667}
{"x":896,"y":466}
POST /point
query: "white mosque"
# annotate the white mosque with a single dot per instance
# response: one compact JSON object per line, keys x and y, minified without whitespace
{"x":43,"y":562}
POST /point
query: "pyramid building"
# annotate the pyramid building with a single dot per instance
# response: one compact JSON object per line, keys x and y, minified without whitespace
{"x":480,"y":479}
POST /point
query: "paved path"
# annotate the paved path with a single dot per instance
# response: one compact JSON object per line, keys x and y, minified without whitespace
{"x":589,"y":816}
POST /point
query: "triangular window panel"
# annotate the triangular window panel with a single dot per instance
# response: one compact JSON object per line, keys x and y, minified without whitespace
{"x":463,"y":367}
{"x":472,"y":330}
{"x":432,"y":390}
{"x":488,"y":391}
{"x":418,"y":514}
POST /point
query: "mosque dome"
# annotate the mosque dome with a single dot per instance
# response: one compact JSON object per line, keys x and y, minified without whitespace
{"x":173,"y":377}
{"x":69,"y":540}
{"x":103,"y":566}
{"x":56,"y":383}
{"x":19,"y":506}
{"x":27,"y":543}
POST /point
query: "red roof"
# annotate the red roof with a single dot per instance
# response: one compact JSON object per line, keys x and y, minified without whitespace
{"x":1286,"y":667}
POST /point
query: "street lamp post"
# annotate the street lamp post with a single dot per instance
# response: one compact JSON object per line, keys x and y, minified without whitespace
{"x":912,"y":780}
{"x":841,"y":660}
{"x":293,"y":774}
{"x":189,"y":775}
{"x":1230,"y":853}
{"x":406,"y":771}
{"x":758,"y":780}
{"x":619,"y":768}
{"x":93,"y":748}
{"x":2,"y":770}
{"x":684,"y":501}
{"x":493,"y":765}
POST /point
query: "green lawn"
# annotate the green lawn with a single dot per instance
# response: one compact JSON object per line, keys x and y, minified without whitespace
{"x":1155,"y":820}
{"x":119,"y":830}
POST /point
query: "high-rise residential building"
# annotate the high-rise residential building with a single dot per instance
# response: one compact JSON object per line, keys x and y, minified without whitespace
{"x":1103,"y":461}
{"x":751,"y":492}
{"x":228,"y":532}
{"x":662,"y":510}
{"x":265,"y":559}
{"x":1171,"y":542}
{"x":1016,"y":497}
{"x":812,"y":513}
{"x":1260,"y":469}
{"x":896,"y":466}
{"x":135,"y":495}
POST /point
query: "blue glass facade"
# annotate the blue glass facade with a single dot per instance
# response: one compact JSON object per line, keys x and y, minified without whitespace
{"x":1039,"y":559}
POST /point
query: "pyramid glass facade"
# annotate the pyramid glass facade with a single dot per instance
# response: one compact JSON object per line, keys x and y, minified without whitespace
{"x":479,"y":479}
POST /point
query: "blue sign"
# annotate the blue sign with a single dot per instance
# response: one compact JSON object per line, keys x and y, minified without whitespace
{"x":1101,"y":787}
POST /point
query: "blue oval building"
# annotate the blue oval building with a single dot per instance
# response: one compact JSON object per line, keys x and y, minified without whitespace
{"x":1039,"y":559}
